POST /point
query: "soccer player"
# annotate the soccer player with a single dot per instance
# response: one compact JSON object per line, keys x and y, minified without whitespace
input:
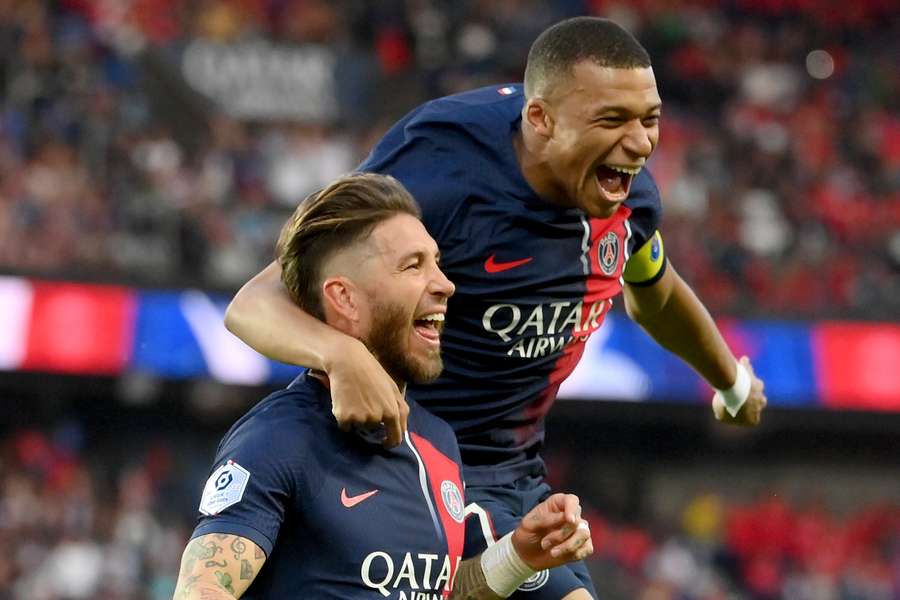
{"x":295,"y":508}
{"x":539,"y":198}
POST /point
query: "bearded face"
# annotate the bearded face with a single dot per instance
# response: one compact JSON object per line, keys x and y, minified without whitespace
{"x":393,"y":341}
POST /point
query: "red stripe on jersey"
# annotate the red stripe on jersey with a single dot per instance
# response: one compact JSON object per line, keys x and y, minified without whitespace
{"x":601,"y":283}
{"x":600,"y":288}
{"x":451,"y":508}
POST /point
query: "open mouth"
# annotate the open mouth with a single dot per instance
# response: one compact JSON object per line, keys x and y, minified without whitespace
{"x":614,"y":181}
{"x":429,"y":327}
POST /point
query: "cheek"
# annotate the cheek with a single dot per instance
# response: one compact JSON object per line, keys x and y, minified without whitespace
{"x":566,"y":140}
{"x":405,"y":296}
{"x":583,"y":148}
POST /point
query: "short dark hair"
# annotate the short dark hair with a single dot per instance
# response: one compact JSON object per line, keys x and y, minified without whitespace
{"x":329,"y":220}
{"x":562,"y":46}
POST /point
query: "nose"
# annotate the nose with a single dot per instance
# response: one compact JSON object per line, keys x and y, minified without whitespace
{"x":637,"y":140}
{"x":440,"y":285}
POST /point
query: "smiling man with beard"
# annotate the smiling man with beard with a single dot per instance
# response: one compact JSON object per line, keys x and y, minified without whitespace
{"x":296,"y":508}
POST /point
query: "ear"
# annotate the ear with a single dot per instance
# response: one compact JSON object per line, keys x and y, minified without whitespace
{"x":340,"y":298}
{"x":538,"y":115}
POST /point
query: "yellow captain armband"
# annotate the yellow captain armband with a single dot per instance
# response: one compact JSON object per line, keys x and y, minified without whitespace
{"x":648,"y":264}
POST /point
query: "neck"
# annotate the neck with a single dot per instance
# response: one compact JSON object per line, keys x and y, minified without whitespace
{"x":401,"y":383}
{"x":528,"y":145}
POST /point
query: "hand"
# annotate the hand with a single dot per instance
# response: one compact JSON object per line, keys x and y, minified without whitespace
{"x":362,"y":393}
{"x":751,"y":411}
{"x":553,"y":533}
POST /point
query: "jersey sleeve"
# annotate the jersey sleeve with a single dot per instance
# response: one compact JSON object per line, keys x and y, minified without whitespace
{"x":647,"y":259}
{"x":253,"y":481}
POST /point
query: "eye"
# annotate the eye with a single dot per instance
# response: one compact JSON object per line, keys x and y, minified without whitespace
{"x":610,"y":121}
{"x":411,"y":265}
{"x":651,"y":121}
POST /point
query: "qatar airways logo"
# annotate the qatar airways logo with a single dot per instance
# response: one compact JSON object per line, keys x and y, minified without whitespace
{"x":547,"y":329}
{"x":418,"y":577}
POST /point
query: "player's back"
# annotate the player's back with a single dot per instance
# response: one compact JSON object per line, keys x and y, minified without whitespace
{"x":533,"y":279}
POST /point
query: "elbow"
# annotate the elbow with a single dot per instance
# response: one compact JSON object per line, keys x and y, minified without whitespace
{"x":632,"y":311}
{"x":235,"y":314}
{"x":640,"y":316}
{"x":645,"y":308}
{"x":232,"y":317}
{"x":247,"y":300}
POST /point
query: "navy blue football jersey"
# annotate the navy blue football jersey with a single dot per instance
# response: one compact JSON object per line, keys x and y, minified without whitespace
{"x":337,"y":515}
{"x":533,"y":279}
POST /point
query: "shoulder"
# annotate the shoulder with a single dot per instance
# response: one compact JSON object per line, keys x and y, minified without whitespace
{"x":449,"y":150}
{"x":287,"y":420}
{"x":646,"y":207}
{"x":467,"y":126}
{"x":644,"y":193}
{"x":434,"y":429}
{"x":479,"y":113}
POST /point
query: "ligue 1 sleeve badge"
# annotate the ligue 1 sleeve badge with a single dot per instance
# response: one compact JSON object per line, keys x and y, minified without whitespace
{"x":608,"y":253}
{"x":452,"y":499}
{"x":224,"y":488}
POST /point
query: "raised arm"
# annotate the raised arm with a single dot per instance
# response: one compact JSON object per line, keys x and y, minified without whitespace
{"x":673,"y":315}
{"x":218,"y":566}
{"x":263,"y":315}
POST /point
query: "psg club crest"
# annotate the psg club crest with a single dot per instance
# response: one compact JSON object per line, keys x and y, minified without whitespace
{"x":453,"y":501}
{"x":608,"y":253}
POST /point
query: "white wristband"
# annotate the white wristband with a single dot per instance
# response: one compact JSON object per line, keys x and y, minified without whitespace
{"x":504,"y":570}
{"x":734,"y":397}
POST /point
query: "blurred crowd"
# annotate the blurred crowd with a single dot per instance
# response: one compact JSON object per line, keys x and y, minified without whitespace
{"x":164,"y":142}
{"x":765,"y":549}
{"x":109,"y":523}
{"x":79,"y":525}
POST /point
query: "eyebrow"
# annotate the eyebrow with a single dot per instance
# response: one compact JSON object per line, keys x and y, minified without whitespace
{"x":623,"y":109}
{"x":420,"y":254}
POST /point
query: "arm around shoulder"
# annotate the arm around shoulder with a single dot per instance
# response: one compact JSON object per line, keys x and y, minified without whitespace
{"x":263,"y":315}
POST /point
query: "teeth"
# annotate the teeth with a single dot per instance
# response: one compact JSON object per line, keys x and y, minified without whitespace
{"x":433,"y":317}
{"x":626,"y":170}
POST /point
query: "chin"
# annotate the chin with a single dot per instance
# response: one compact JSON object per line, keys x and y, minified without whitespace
{"x":426,"y":371}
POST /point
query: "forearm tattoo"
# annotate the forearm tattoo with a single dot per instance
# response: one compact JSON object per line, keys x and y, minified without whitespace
{"x":212,"y":564}
{"x":470,"y":584}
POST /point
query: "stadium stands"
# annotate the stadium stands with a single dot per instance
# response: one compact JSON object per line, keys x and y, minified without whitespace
{"x":150,"y":141}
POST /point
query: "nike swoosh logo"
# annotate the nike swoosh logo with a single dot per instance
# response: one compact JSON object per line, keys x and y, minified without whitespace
{"x":492,"y":266}
{"x":351,"y":501}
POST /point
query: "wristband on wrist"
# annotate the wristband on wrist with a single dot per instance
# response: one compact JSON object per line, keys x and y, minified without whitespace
{"x":735,"y":396}
{"x":504,"y":570}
